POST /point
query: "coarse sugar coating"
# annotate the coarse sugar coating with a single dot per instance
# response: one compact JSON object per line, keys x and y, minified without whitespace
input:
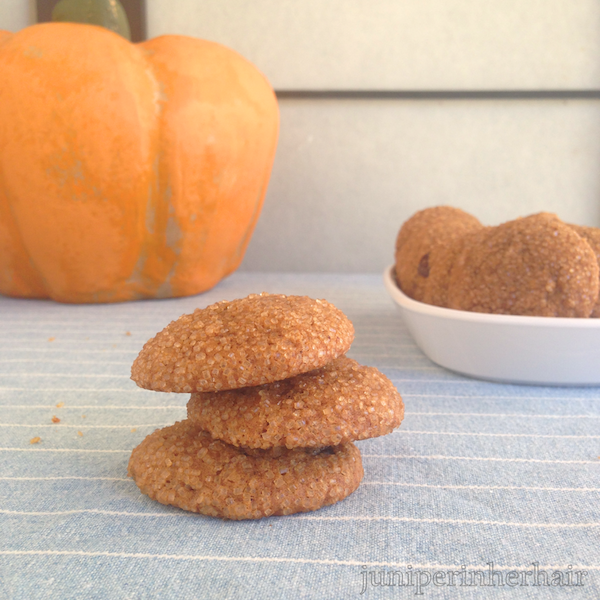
{"x":436,"y":290}
{"x":423,"y":246}
{"x":340,"y":402}
{"x":592,"y":236}
{"x":251,"y":341}
{"x":536,"y":266}
{"x":183,"y":466}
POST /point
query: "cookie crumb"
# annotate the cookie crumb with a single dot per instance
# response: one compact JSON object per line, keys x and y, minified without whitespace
{"x":51,"y":339}
{"x":80,"y":434}
{"x":133,"y":429}
{"x":60,"y":405}
{"x":128,"y":333}
{"x":83,"y":416}
{"x":55,"y":419}
{"x":35,"y":440}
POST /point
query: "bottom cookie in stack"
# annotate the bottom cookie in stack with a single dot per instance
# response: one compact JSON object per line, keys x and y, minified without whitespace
{"x":186,"y":467}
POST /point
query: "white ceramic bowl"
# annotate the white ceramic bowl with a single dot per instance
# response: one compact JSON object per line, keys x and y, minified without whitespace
{"x":506,"y":348}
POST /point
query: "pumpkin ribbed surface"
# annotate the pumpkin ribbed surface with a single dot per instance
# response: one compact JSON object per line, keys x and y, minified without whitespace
{"x":127,"y":170}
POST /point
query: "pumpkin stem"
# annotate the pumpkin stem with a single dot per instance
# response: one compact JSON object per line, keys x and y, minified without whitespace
{"x":107,"y":13}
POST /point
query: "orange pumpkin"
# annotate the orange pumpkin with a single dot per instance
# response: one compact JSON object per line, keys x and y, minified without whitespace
{"x":127,"y":170}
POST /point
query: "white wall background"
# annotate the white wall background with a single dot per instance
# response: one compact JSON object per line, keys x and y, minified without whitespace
{"x":351,"y":168}
{"x":349,"y":171}
{"x":400,"y":44}
{"x":16,"y":14}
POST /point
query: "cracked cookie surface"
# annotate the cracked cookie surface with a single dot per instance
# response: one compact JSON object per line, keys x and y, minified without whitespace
{"x":183,"y":466}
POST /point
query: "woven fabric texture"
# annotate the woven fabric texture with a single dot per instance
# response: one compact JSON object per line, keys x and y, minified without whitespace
{"x":484,"y":488}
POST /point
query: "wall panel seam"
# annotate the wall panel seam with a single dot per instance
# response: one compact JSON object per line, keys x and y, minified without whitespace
{"x":439,"y":94}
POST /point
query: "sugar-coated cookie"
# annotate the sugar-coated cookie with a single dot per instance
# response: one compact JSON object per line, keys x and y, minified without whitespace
{"x":183,"y":466}
{"x":533,"y":266}
{"x":425,"y":246}
{"x":592,"y":236}
{"x":247,"y":342}
{"x":340,"y":402}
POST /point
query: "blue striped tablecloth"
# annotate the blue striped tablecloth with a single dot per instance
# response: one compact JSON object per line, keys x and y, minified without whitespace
{"x":485,"y":491}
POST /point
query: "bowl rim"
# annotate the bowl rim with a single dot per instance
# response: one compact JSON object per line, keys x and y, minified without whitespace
{"x":474,"y":317}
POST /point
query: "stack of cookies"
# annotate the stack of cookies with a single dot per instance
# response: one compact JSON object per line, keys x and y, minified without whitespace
{"x":274,"y":408}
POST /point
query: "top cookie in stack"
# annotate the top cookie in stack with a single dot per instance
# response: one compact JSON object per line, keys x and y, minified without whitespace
{"x":274,"y":408}
{"x":234,"y":344}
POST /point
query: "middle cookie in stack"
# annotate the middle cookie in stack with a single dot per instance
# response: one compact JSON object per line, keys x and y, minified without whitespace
{"x":274,"y":409}
{"x":338,"y":403}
